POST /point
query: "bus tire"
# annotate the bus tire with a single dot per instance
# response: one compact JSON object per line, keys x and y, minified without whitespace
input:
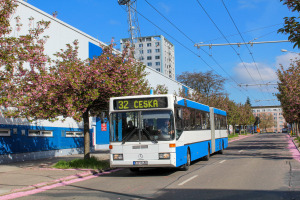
{"x":186,"y":166}
{"x":134,"y":169}
{"x":206,"y":158}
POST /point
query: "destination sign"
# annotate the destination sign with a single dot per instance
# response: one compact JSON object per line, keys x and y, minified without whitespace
{"x":141,"y":103}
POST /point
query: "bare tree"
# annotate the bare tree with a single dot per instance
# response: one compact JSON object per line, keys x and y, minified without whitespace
{"x":206,"y":83}
{"x":266,"y":121}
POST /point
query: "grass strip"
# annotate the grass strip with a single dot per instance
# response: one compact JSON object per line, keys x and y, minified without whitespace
{"x":92,"y":163}
{"x":298,"y":141}
{"x":233,"y":135}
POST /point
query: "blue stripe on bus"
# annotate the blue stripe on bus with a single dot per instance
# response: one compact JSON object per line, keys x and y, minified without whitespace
{"x":195,"y":105}
{"x":181,"y":153}
{"x":181,"y":102}
{"x":219,"y":142}
{"x":225,"y":142}
{"x":198,"y":106}
{"x":197,"y":150}
{"x":220,"y":112}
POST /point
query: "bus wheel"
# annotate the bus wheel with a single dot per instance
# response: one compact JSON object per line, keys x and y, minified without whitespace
{"x":206,"y":158}
{"x":186,"y":166}
{"x":134,"y":169}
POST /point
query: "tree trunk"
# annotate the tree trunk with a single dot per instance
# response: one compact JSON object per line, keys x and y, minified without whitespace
{"x":86,"y":126}
{"x":297,"y":129}
{"x":294,"y":129}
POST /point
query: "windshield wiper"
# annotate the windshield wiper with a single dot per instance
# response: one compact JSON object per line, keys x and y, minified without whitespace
{"x":128,"y":136}
{"x":148,"y":135}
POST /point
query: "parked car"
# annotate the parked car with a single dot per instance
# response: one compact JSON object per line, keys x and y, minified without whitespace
{"x":284,"y":130}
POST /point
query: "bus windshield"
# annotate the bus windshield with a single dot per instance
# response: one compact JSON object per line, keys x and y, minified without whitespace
{"x":136,"y":126}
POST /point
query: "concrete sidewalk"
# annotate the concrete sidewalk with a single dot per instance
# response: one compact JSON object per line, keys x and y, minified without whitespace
{"x":29,"y":175}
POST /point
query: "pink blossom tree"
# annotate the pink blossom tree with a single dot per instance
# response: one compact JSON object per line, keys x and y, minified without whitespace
{"x":66,"y":86}
{"x":76,"y":88}
{"x":15,"y":51}
{"x":289,"y":93}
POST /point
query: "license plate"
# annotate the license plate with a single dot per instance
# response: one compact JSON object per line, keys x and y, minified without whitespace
{"x":140,"y":162}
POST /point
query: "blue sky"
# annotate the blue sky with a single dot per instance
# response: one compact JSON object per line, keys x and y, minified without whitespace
{"x":104,"y":19}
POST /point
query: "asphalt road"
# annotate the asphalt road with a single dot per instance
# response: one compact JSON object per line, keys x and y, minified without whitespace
{"x":258,"y":167}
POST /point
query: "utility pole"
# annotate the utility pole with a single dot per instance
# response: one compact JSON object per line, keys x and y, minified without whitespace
{"x":132,"y":19}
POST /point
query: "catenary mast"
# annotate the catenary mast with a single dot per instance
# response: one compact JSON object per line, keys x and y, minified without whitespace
{"x":132,"y":19}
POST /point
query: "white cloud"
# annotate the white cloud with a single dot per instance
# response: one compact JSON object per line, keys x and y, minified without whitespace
{"x":244,"y":4}
{"x":114,"y":22}
{"x":245,"y":73}
{"x":285,"y":60}
{"x":165,"y":7}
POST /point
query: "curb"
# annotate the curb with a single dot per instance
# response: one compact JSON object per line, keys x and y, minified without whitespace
{"x":294,"y":150}
{"x":33,"y":189}
{"x":298,"y":148}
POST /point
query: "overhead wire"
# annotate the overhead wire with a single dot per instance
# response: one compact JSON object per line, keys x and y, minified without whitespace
{"x":227,"y":36}
{"x":170,"y":22}
{"x":193,"y":43}
{"x":251,"y":53}
{"x":229,"y":44}
{"x":182,"y":33}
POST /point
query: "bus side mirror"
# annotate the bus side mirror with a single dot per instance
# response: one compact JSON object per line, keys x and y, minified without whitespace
{"x":179,"y":113}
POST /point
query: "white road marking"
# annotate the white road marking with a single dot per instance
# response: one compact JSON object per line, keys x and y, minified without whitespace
{"x":222,"y":161}
{"x":241,"y":151}
{"x":182,"y":183}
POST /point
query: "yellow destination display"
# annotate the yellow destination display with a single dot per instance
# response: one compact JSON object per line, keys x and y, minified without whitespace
{"x":140,"y":103}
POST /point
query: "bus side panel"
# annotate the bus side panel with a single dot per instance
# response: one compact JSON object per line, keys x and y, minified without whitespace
{"x":181,"y":153}
{"x":198,"y":150}
{"x":219,"y":144}
{"x":225,"y":140}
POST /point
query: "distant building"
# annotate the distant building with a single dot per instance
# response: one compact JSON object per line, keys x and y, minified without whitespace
{"x":276,"y":111}
{"x":155,"y":52}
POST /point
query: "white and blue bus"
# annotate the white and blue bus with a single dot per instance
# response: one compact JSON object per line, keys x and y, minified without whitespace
{"x":163,"y":131}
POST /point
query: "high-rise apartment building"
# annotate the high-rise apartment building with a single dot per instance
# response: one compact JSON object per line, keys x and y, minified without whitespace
{"x":155,"y":52}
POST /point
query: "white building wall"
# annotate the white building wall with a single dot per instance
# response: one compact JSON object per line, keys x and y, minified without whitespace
{"x":59,"y":32}
{"x":155,"y":78}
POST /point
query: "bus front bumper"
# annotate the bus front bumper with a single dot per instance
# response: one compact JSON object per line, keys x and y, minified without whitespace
{"x":142,"y":163}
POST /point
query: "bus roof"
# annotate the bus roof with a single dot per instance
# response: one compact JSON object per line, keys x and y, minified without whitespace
{"x":220,"y":112}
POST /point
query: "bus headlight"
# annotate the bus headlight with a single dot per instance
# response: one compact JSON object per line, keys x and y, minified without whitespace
{"x":164,"y":155}
{"x":118,"y":156}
